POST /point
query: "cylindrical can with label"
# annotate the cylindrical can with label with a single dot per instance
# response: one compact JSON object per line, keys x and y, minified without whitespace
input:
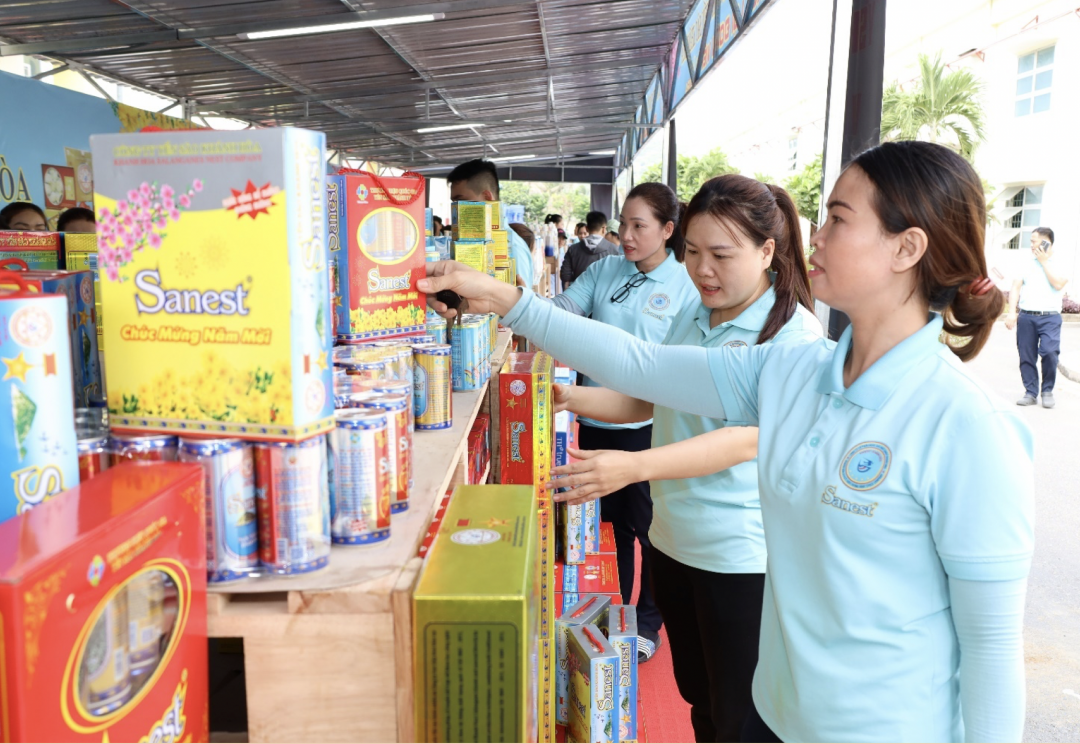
{"x":392,"y":387}
{"x":431,"y":387}
{"x":399,"y":444}
{"x":400,"y":357}
{"x":145,"y":600}
{"x":93,"y":455}
{"x":353,"y":395}
{"x":105,"y":673}
{"x":152,"y":448}
{"x":294,"y":505}
{"x":362,"y":478}
{"x":232,"y":526}
{"x":437,"y":328}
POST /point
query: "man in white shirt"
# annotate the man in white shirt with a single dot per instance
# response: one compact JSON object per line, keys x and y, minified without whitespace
{"x":1038,"y":292}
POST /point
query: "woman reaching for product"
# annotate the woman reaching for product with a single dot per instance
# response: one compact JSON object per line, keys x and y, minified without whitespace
{"x":896,"y":492}
{"x":641,"y":291}
{"x":744,"y":253}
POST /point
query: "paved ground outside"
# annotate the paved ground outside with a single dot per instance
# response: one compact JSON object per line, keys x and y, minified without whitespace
{"x":1052,"y":622}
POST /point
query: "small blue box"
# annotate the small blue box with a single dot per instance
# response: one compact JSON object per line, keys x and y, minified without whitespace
{"x":621,"y":628}
{"x":591,"y":610}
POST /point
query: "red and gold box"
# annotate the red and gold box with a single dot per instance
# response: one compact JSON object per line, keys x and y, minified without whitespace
{"x":527,"y":422}
{"x":378,"y":241}
{"x":607,"y":539}
{"x":598,"y":575}
{"x":103,"y":611}
{"x":40,"y":250}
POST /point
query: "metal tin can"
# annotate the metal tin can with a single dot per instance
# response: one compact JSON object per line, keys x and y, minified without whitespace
{"x":468,"y":341}
{"x":361,"y":507}
{"x":352,"y":396}
{"x":93,"y":455}
{"x":153,"y":448}
{"x":431,"y":387}
{"x":376,"y":369}
{"x":91,"y":421}
{"x":293,"y":495}
{"x":105,"y":673}
{"x":145,"y":601}
{"x":437,"y":328}
{"x":391,"y":387}
{"x":399,"y":446}
{"x":232,"y":535}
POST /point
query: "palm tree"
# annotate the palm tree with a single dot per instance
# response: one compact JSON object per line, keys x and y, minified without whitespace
{"x":942,"y":106}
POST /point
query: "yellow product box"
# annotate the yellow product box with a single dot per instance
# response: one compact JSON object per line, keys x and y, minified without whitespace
{"x":471,"y":220}
{"x":473,"y":253}
{"x":548,"y":615}
{"x":214,"y":278}
{"x":496,"y":216}
{"x":501,"y":244}
{"x":476,"y":620}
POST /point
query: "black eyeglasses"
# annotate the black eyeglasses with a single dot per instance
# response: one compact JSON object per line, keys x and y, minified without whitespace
{"x":624,"y":291}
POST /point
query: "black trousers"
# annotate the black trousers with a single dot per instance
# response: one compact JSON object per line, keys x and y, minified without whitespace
{"x":757,"y":731}
{"x":713,"y":622}
{"x":1038,"y":336}
{"x":630,"y":512}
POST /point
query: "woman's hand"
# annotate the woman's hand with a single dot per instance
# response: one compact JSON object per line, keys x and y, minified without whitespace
{"x":562,"y":395}
{"x":598,"y":473}
{"x":483,"y":293}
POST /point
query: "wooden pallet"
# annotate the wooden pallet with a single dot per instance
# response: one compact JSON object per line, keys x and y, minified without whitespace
{"x":328,"y":655}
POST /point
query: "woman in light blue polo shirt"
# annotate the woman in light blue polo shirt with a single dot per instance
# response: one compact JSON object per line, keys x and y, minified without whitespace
{"x":744,"y":251}
{"x":896,"y":491}
{"x":641,"y":292}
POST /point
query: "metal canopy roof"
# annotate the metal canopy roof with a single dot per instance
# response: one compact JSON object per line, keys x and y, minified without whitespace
{"x":545,"y":77}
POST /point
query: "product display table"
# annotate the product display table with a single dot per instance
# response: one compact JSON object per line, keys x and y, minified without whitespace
{"x":328,"y":655}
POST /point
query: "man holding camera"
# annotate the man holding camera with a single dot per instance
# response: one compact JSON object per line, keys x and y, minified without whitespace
{"x":1038,"y":292}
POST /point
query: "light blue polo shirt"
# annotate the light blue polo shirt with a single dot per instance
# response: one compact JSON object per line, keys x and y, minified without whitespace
{"x":646,"y":313}
{"x":872,"y":497}
{"x":521,"y":253}
{"x":713,"y":523}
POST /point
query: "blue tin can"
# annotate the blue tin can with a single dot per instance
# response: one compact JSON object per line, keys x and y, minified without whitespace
{"x":232,"y":529}
{"x":292,"y":491}
{"x":361,"y":507}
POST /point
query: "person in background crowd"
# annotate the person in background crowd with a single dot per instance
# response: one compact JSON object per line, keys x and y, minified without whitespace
{"x":744,"y":251}
{"x":1038,"y":292}
{"x":76,"y":220}
{"x":562,"y":243}
{"x":896,"y":490}
{"x":555,"y":219}
{"x":478,"y":180}
{"x":613,"y":238}
{"x":640,"y":291}
{"x":581,"y":231}
{"x":23,"y":216}
{"x":526,"y":235}
{"x":591,"y":249}
{"x":436,"y":226}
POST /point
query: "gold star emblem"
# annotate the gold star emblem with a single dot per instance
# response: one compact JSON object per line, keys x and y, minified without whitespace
{"x":493,"y":522}
{"x":84,"y":318}
{"x":509,"y":404}
{"x":322,"y":360}
{"x":16,"y":367}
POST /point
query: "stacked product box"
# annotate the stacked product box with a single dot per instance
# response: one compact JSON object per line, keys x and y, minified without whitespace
{"x":599,"y":574}
{"x":471,"y":220}
{"x":38,"y":456}
{"x":103,"y":611}
{"x":78,"y":288}
{"x":593,"y":665}
{"x":381,"y":256}
{"x":80,"y":254}
{"x":479,"y":449}
{"x":219,"y":317}
{"x":591,"y":610}
{"x":475,"y":613}
{"x":476,"y":254}
{"x":40,"y":250}
{"x":622,"y":631}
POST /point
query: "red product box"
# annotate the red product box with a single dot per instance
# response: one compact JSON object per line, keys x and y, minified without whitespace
{"x":103,"y":611}
{"x":527,"y":422}
{"x":598,"y":575}
{"x":607,"y":539}
{"x":40,"y":250}
{"x":377,"y":244}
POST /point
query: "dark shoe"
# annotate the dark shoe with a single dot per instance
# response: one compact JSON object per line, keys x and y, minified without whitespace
{"x":1027,"y":400}
{"x":647,"y":644}
{"x":1048,"y":400}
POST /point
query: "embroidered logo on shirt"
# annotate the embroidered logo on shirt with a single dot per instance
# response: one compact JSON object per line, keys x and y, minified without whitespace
{"x":735,"y":344}
{"x":865,"y":466}
{"x":864,"y":510}
{"x":659,"y":302}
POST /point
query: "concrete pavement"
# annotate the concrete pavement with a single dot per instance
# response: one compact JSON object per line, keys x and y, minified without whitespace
{"x":1052,"y":620}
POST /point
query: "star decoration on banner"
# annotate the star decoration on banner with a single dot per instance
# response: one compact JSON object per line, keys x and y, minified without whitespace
{"x":84,"y":318}
{"x":322,"y":360}
{"x":16,"y":368}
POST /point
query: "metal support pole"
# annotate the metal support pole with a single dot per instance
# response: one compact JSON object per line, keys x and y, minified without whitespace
{"x":671,"y":175}
{"x":856,"y":77}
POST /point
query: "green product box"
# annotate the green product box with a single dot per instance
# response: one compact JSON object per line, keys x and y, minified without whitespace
{"x":476,"y":613}
{"x":471,"y":220}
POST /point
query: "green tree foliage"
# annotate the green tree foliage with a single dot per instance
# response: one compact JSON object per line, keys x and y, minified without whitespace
{"x":692,"y":172}
{"x":535,"y":200}
{"x":942,"y":106}
{"x":805,"y":190}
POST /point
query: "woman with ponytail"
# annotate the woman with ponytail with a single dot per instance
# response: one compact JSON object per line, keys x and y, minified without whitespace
{"x":896,"y":490}
{"x":743,"y":250}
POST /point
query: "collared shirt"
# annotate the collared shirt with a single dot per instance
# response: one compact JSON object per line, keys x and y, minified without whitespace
{"x":648,"y":310}
{"x":713,"y":523}
{"x":522,"y":255}
{"x":1038,"y":294}
{"x":872,"y":497}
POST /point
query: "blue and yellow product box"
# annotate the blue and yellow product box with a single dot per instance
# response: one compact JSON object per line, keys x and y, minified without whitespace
{"x":476,"y":645}
{"x":78,"y":288}
{"x":471,"y":220}
{"x":591,"y":610}
{"x":38,"y":458}
{"x":80,"y":254}
{"x":621,"y":628}
{"x":212,"y":249}
{"x":592,"y":664}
